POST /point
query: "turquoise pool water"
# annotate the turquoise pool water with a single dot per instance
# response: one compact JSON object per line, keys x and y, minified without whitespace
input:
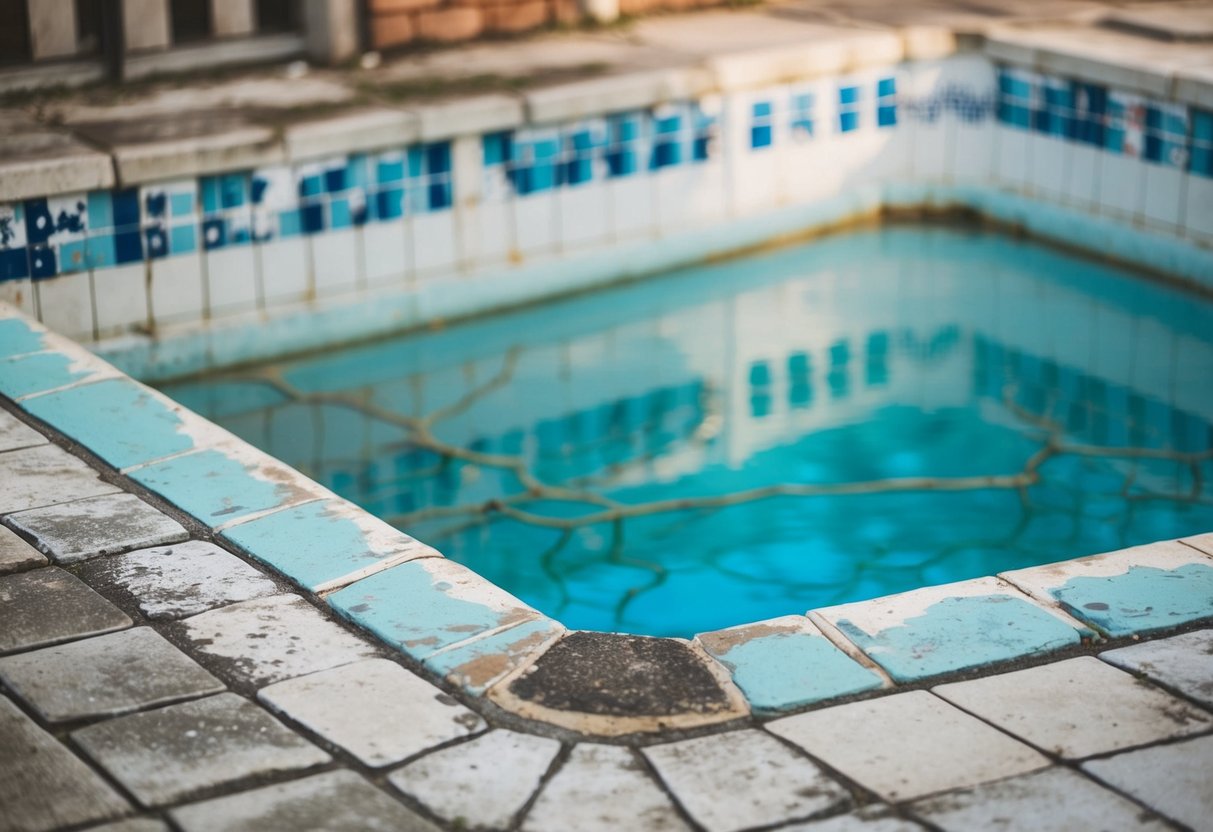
{"x":861,"y":415}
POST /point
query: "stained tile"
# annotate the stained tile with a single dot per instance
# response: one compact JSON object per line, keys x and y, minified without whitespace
{"x":706,"y":776}
{"x":480,"y":784}
{"x":45,"y":476}
{"x":180,"y":580}
{"x":1077,"y":708}
{"x":48,"y":606}
{"x":104,"y":676}
{"x":336,"y":801}
{"x":269,"y":639}
{"x":1139,"y":590}
{"x":166,"y":755}
{"x":786,"y":663}
{"x":325,"y":544}
{"x":94,"y":526}
{"x":16,"y":434}
{"x":376,"y":710}
{"x":1173,"y":779}
{"x":942,"y":629}
{"x":17,"y":555}
{"x":1183,"y":663}
{"x":871,"y":819}
{"x":476,"y":665}
{"x":908,"y":745}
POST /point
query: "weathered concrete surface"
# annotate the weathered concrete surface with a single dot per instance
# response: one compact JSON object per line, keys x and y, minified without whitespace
{"x":47,"y":606}
{"x":42,"y":784}
{"x":88,"y":528}
{"x":16,"y":555}
{"x":47,"y":161}
{"x":1172,"y":779}
{"x":104,"y":676}
{"x":16,"y":434}
{"x":45,"y":476}
{"x":1183,"y":663}
{"x":616,"y":684}
{"x":166,"y":755}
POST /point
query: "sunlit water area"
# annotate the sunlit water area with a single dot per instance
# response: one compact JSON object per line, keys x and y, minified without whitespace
{"x":852,"y":417}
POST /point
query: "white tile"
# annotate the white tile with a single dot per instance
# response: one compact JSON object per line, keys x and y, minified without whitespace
{"x":1083,"y":170}
{"x":433,"y":242}
{"x":690,"y":195}
{"x":486,"y":233}
{"x":1047,"y":172}
{"x":1162,"y":197}
{"x":973,"y":146}
{"x":1182,"y":663}
{"x":1173,"y":780}
{"x":65,"y":304}
{"x":120,"y":297}
{"x":1120,"y":181}
{"x":1198,"y":207}
{"x":584,"y":214}
{"x":1011,"y":161}
{"x":336,"y":261}
{"x":633,"y":212}
{"x":535,"y":222}
{"x":21,"y":294}
{"x":385,"y":251}
{"x":285,"y":268}
{"x":231,"y":278}
{"x":177,"y":289}
{"x":1077,"y":708}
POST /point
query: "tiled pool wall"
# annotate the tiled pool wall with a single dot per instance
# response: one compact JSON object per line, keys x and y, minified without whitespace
{"x":351,"y":244}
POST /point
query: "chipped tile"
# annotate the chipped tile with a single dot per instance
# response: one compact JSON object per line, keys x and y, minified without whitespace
{"x":1183,"y":663}
{"x":786,"y":663}
{"x":16,"y":555}
{"x":706,"y":776}
{"x":478,"y":664}
{"x":15,"y":434}
{"x":1077,"y":708}
{"x":28,"y":375}
{"x":47,"y":606}
{"x":376,"y":710}
{"x":94,"y":526}
{"x":1053,"y":800}
{"x":42,"y":784}
{"x":908,"y":745}
{"x":602,"y":787}
{"x":325,"y":544}
{"x":180,"y":580}
{"x":1173,"y":780}
{"x":335,"y":801}
{"x":166,"y":755}
{"x":269,"y":639}
{"x":1132,"y":591}
{"x":481,"y":784}
{"x":105,"y":676}
{"x":19,"y":336}
{"x":45,"y":476}
{"x":943,"y":629}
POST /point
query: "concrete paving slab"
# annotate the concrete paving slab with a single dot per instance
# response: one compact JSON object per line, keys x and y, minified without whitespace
{"x":1183,"y":663}
{"x":43,"y":785}
{"x":376,"y":710}
{"x":1053,"y":800}
{"x":480,"y":784}
{"x":1173,"y":779}
{"x":133,"y":825}
{"x":270,"y":639}
{"x":48,"y":606}
{"x":336,"y":801}
{"x":105,"y":676}
{"x":166,"y":755}
{"x":876,"y":819}
{"x":181,"y":580}
{"x":908,"y":745}
{"x":43,"y":162}
{"x":95,"y":526}
{"x":45,"y":476}
{"x":16,"y":555}
{"x":16,"y":434}
{"x":602,"y":788}
{"x":705,"y":774}
{"x":1077,"y":708}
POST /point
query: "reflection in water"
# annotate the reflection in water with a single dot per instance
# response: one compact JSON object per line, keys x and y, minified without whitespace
{"x":863,"y":415}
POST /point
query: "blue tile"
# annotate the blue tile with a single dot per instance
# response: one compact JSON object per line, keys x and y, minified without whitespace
{"x":848,"y":122}
{"x":233,"y":190}
{"x":101,"y":251}
{"x":1144,"y":599}
{"x":181,"y":204}
{"x":73,"y":256}
{"x":39,"y":224}
{"x":496,"y":148}
{"x":334,"y":180}
{"x":156,"y":239}
{"x":126,"y":207}
{"x":100,"y":210}
{"x":42,"y":263}
{"x":214,"y":233}
{"x":35,"y":373}
{"x":312,"y":217}
{"x":17,"y":337}
{"x":886,"y":86}
{"x":128,"y":247}
{"x":14,"y":263}
{"x":389,"y":169}
{"x":476,"y":665}
{"x":848,"y":95}
{"x":760,"y":136}
{"x":182,"y":239}
{"x":341,"y":216}
{"x":438,"y":157}
{"x":290,"y":223}
{"x":155,"y":204}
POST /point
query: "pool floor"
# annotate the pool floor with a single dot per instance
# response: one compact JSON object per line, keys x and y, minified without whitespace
{"x":858,"y":416}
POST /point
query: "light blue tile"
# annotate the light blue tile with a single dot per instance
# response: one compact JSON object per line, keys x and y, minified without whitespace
{"x":116,"y":419}
{"x":476,"y":665}
{"x":318,"y":543}
{"x":183,"y":239}
{"x":100,"y":210}
{"x":38,"y":372}
{"x":16,"y":337}
{"x":1142,"y":600}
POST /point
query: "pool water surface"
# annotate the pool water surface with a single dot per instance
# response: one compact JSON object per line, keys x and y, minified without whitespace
{"x":861,"y":415}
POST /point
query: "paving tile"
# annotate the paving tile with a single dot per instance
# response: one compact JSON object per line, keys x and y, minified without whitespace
{"x":943,"y":629}
{"x":16,"y":434}
{"x":480,"y":784}
{"x":477,"y":665}
{"x":226,"y":483}
{"x":335,"y":801}
{"x":1133,"y":591}
{"x":874,"y":819}
{"x":326,"y":544}
{"x":180,"y":580}
{"x":427,"y":604}
{"x":602,"y":787}
{"x":376,"y":710}
{"x":16,"y":555}
{"x":786,"y":663}
{"x":1183,"y":663}
{"x":1173,"y":779}
{"x":104,"y":676}
{"x":45,"y":476}
{"x":42,"y":784}
{"x":270,"y":639}
{"x":47,"y":606}
{"x":88,"y":528}
{"x":908,"y":745}
{"x":780,"y":785}
{"x":133,"y":825}
{"x":168,"y":754}
{"x":1077,"y":708}
{"x":1053,"y":800}
{"x":29,"y":375}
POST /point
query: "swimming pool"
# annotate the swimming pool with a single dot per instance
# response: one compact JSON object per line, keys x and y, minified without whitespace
{"x":853,"y":417}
